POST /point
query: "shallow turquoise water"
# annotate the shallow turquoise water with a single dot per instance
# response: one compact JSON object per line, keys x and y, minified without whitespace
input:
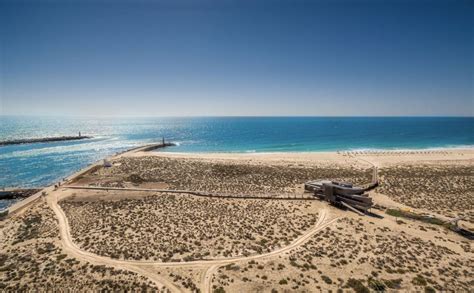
{"x":44,"y":163}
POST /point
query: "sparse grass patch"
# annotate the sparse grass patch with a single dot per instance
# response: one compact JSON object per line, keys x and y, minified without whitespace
{"x":376,"y":285}
{"x":357,"y":285}
{"x":393,"y":283}
{"x":419,"y":280}
{"x":409,"y":215}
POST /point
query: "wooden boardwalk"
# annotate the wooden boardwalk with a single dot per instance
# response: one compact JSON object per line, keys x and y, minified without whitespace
{"x":304,"y":196}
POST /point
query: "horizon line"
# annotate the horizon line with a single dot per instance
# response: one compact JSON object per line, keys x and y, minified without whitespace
{"x":235,"y":116}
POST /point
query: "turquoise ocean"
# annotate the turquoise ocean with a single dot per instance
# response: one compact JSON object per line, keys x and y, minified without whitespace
{"x":41,"y":164}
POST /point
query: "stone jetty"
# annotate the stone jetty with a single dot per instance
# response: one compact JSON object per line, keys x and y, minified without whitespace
{"x":45,"y":139}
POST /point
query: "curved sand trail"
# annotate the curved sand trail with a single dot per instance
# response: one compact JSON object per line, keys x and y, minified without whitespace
{"x":138,"y":265}
{"x":143,"y":267}
{"x":65,"y":233}
{"x":321,"y":224}
{"x":69,"y":246}
{"x":206,"y":279}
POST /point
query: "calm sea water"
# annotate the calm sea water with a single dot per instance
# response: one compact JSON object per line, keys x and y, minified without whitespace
{"x":44,"y":163}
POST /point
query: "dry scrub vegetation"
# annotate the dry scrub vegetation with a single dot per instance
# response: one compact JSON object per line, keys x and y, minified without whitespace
{"x":31,"y":259}
{"x":225,"y":177}
{"x":358,"y":255}
{"x":176,"y":227}
{"x":444,"y":189}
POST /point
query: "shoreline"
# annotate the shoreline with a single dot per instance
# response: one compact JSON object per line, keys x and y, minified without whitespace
{"x":467,"y":149}
{"x":87,"y":209}
{"x":20,"y":205}
{"x":137,"y":149}
{"x":354,"y":158}
{"x":392,"y":156}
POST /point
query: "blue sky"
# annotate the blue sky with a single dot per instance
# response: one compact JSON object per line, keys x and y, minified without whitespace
{"x":178,"y":58}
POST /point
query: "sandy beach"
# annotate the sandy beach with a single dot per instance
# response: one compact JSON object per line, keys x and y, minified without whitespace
{"x":115,"y":230}
{"x":237,"y":146}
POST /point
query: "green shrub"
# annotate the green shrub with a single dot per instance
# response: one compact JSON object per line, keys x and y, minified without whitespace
{"x":3,"y":259}
{"x":376,"y":285}
{"x":326,"y":279}
{"x":357,"y":285}
{"x":219,"y":290}
{"x":429,"y":289}
{"x":61,"y":256}
{"x":393,"y":283}
{"x":232,"y":267}
{"x":409,"y":215}
{"x":419,"y":281}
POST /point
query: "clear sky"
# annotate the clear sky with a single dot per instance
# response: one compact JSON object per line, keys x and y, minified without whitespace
{"x":175,"y":58}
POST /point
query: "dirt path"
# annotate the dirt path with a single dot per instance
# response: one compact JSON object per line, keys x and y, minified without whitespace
{"x":73,"y":249}
{"x":144,"y":267}
{"x":322,"y":223}
{"x":206,"y":280}
{"x":67,"y":239}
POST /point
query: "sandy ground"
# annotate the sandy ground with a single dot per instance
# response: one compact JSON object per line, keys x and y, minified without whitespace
{"x":195,"y":227}
{"x":181,"y":243}
{"x":33,"y":258}
{"x":345,"y":159}
{"x":428,"y":157}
